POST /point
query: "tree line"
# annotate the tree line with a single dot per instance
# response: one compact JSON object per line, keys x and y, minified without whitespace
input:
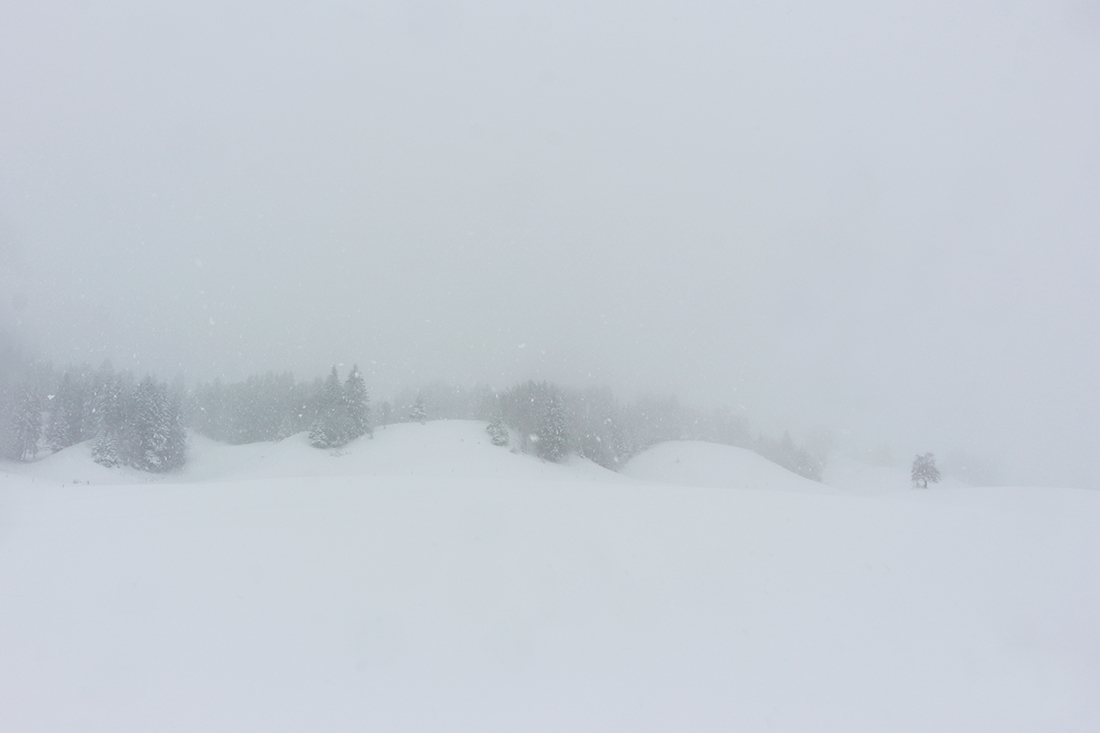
{"x":133,"y":423}
{"x":142,"y":423}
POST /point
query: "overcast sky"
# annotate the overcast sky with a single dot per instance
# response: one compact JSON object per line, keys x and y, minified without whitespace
{"x":876,"y":218}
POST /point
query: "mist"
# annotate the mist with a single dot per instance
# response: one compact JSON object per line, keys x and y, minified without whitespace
{"x":881,"y":221}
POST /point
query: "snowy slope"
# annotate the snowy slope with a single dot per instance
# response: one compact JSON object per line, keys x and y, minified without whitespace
{"x":695,"y":463}
{"x":428,"y":581}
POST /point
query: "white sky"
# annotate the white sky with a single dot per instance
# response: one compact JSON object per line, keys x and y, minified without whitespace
{"x":880,"y":219}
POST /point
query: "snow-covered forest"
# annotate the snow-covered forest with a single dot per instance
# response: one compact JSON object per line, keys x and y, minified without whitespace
{"x":141,"y":423}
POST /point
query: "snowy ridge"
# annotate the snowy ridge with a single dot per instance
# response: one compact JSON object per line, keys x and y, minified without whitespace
{"x":427,"y":580}
{"x":693,"y":463}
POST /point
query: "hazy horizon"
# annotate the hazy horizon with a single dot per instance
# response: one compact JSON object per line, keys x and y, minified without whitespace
{"x":879,"y":220}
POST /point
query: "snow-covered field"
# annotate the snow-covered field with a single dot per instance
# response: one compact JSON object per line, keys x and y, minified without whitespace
{"x":426,"y":580}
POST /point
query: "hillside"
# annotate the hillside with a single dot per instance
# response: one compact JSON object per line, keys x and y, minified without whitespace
{"x":426,"y":580}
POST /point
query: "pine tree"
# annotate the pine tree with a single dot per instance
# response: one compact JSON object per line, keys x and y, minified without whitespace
{"x":27,"y":424}
{"x":105,"y":451}
{"x":418,"y":413}
{"x":553,"y":435}
{"x":149,"y":428}
{"x":497,"y":432}
{"x":67,"y":410}
{"x":924,"y":470}
{"x":329,"y":427}
{"x":357,"y":405}
{"x":174,"y":449}
{"x":108,"y":409}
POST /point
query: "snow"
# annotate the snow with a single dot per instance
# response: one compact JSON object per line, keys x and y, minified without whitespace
{"x":859,"y":478}
{"x":427,"y":580}
{"x":694,"y":463}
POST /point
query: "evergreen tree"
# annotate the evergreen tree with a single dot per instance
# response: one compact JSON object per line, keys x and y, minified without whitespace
{"x":418,"y":413}
{"x":27,"y":423}
{"x":154,"y":436}
{"x":106,"y":451}
{"x":357,"y":405}
{"x":536,"y":411}
{"x":924,"y":470}
{"x":497,"y":432}
{"x":175,"y":447}
{"x":329,"y":429}
{"x":67,"y":413}
{"x":148,"y":428}
{"x":553,"y":436}
{"x":107,"y":411}
{"x":109,"y":400}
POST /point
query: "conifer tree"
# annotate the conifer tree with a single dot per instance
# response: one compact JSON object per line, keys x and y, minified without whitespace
{"x":356,"y":405}
{"x":175,"y":448}
{"x":148,"y":427}
{"x":27,"y":423}
{"x":328,"y":429}
{"x":106,"y":451}
{"x":418,"y":413}
{"x":553,"y":435}
{"x":66,"y":425}
{"x":108,"y":408}
{"x":497,"y":432}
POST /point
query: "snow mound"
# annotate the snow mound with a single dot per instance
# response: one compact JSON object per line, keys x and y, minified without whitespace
{"x":695,"y":463}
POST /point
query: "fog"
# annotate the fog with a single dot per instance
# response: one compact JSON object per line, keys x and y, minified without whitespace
{"x":880,"y":220}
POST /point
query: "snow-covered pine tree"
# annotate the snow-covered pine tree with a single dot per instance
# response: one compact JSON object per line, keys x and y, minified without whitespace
{"x":105,"y":451}
{"x":175,"y":448}
{"x":329,"y":427}
{"x":27,"y":423}
{"x":418,"y":413}
{"x":67,"y":412}
{"x":357,"y":405}
{"x":924,"y":470}
{"x":109,"y":400}
{"x":553,"y":435}
{"x":149,"y":428}
{"x":497,"y":432}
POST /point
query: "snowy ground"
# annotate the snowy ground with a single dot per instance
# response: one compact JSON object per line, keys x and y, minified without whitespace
{"x":426,"y":580}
